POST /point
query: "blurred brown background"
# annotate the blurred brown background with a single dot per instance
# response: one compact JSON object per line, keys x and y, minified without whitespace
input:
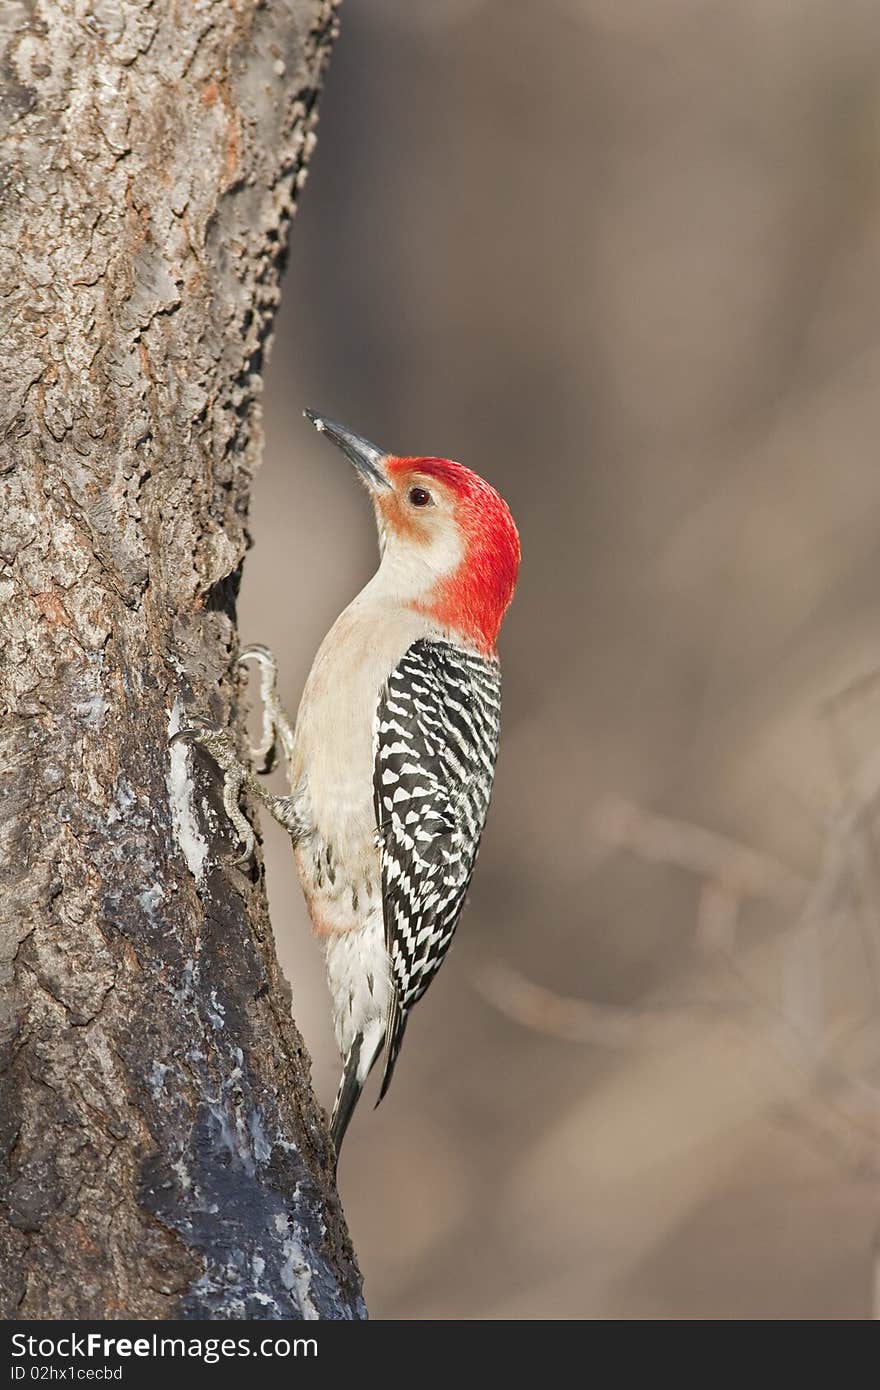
{"x":624,"y":259}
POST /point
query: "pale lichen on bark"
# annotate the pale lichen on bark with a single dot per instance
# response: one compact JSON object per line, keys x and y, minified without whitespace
{"x":161,"y":1152}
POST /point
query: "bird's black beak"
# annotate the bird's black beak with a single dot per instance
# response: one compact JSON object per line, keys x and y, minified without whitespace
{"x":367,"y":459}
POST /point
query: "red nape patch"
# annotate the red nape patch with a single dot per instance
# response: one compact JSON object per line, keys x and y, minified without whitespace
{"x":473,"y":600}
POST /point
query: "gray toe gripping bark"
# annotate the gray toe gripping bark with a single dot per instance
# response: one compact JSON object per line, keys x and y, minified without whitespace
{"x":237,"y":777}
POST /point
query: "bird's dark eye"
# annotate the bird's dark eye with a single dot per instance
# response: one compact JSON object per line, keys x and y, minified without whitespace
{"x":419,"y":497}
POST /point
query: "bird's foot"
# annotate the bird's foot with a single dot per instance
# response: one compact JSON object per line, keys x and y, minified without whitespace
{"x":277,"y":727}
{"x":235,"y":776}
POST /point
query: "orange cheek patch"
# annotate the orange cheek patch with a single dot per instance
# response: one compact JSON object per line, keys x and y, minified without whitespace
{"x":398,"y":518}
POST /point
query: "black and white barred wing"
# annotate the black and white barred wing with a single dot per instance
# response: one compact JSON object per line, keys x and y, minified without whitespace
{"x":436,"y":741}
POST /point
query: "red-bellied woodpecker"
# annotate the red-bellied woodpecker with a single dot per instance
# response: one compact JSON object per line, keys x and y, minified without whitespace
{"x":391,"y":761}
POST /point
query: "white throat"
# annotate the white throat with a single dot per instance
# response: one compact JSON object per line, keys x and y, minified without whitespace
{"x":410,"y":569}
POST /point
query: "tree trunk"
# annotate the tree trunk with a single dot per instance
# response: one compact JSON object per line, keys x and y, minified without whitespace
{"x":162,"y":1152}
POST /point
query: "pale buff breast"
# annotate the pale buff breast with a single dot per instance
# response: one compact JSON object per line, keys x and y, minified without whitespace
{"x":338,"y":860}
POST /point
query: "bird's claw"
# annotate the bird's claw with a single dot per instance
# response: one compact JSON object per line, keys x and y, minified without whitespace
{"x":215,"y":741}
{"x":191,"y":734}
{"x":257,"y":652}
{"x":242,"y":860}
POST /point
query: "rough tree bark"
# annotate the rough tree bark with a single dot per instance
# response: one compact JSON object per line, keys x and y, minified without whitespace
{"x":162,"y":1153}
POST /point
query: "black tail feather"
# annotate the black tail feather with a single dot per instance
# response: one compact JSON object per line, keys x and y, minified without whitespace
{"x":348,"y":1094}
{"x":350,"y":1087}
{"x":393,"y":1042}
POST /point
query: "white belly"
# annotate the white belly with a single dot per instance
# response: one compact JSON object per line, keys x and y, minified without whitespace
{"x":359,"y":976}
